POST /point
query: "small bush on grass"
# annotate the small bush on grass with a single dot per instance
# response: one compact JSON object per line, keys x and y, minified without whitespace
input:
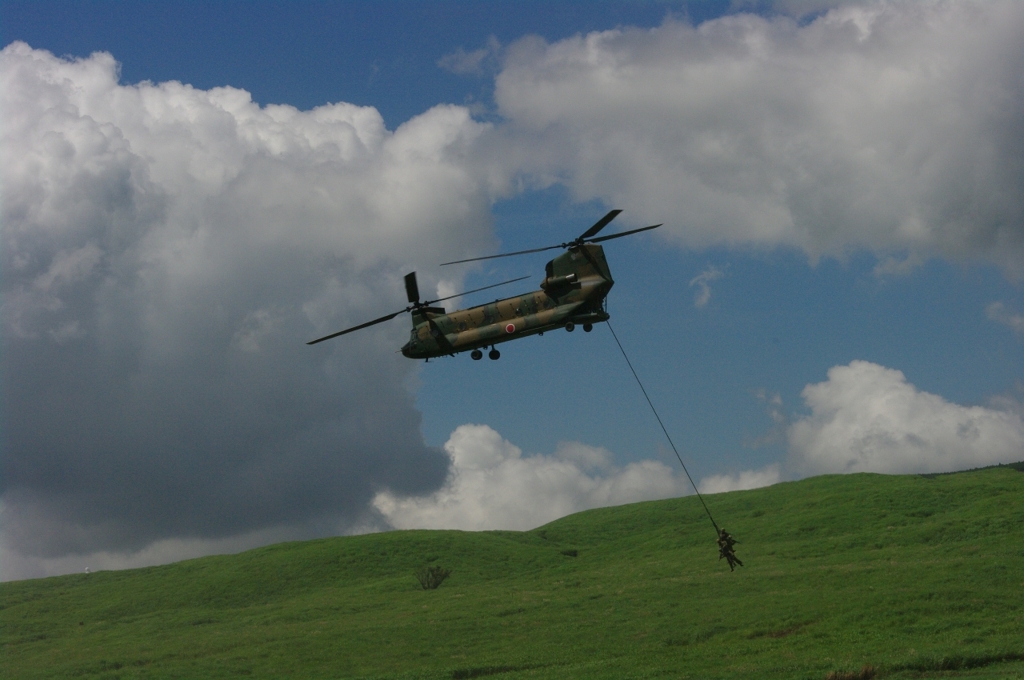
{"x":431,"y":577}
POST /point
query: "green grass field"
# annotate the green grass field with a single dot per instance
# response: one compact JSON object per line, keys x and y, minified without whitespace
{"x":915,"y":577}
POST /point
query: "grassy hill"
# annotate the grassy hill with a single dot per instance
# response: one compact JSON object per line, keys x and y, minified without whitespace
{"x":912,"y":576}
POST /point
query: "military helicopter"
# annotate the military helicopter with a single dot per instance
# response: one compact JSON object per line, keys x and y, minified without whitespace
{"x":573,"y":292}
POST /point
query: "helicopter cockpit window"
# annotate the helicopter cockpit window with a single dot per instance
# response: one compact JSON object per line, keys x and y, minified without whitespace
{"x":549,"y":269}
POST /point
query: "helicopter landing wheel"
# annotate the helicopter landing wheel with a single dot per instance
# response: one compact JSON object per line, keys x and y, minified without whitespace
{"x":570,"y":326}
{"x":587,"y":327}
{"x":477,"y":355}
{"x":494,"y":354}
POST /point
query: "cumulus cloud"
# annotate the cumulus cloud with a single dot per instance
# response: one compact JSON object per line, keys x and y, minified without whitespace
{"x":741,"y":481}
{"x":167,"y":252}
{"x":868,"y":418}
{"x":889,"y":126}
{"x":491,"y":485}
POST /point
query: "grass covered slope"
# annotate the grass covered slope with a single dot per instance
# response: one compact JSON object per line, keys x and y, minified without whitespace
{"x":916,"y":577}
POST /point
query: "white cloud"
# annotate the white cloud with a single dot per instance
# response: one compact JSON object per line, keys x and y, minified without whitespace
{"x":493,"y":486}
{"x":167,"y":252}
{"x":868,"y":418}
{"x":702,"y":282}
{"x":889,"y":126}
{"x":741,"y":481}
{"x":999,"y":313}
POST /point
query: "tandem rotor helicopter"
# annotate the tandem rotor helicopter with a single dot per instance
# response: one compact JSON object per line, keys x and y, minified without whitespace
{"x":573,"y":292}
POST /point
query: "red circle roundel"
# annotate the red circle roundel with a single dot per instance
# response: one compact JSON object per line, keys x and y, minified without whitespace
{"x":511,"y":328}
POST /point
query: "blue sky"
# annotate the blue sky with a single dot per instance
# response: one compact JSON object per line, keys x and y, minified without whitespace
{"x":837,"y":287}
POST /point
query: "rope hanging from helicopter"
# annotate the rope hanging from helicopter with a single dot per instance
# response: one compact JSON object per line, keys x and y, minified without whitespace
{"x":663,"y":429}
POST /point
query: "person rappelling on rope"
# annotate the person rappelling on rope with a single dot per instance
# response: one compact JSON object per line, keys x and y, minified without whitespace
{"x":725,"y":549}
{"x":725,"y":541}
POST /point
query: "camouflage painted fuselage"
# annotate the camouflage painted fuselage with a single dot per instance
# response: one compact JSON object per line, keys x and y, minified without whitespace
{"x":573,"y":290}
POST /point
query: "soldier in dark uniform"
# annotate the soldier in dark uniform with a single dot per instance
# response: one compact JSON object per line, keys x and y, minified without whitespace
{"x":725,"y":549}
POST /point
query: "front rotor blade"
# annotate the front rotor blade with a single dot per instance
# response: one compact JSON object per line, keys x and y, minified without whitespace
{"x":491,"y":257}
{"x":622,"y":233}
{"x":412,"y":291}
{"x":356,"y":328}
{"x":476,"y":290}
{"x":601,"y":224}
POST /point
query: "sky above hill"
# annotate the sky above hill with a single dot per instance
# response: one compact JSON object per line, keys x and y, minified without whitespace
{"x":191,"y":191}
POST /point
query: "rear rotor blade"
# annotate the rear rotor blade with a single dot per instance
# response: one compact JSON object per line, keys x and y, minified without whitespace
{"x":601,"y":224}
{"x":491,"y":257}
{"x":412,"y":291}
{"x":416,"y":304}
{"x":622,"y":233}
{"x":356,"y":328}
{"x":476,"y":290}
